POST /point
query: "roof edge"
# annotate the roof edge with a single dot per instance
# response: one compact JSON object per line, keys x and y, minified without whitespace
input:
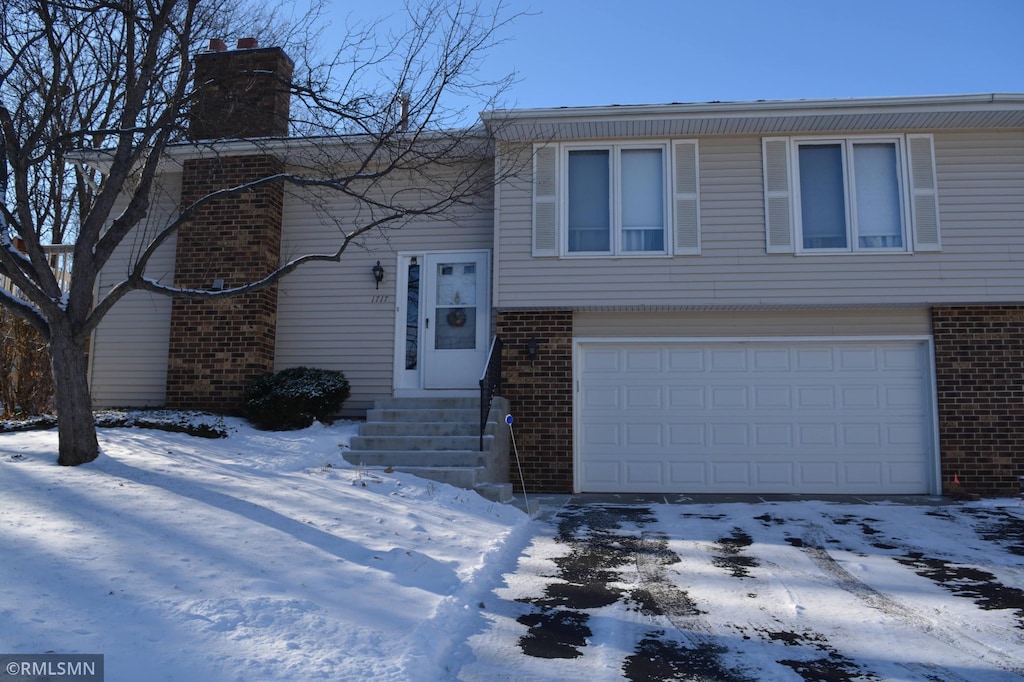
{"x":759,"y":107}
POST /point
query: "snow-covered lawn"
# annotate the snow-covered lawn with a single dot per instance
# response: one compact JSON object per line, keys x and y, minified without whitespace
{"x":261,"y":556}
{"x":264,"y":556}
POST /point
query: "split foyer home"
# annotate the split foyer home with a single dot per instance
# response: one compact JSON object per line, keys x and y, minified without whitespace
{"x":813,"y":296}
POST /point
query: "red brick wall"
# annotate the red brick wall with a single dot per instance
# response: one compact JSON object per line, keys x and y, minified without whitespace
{"x":979,"y":369}
{"x":218,"y":347}
{"x":540,"y":395}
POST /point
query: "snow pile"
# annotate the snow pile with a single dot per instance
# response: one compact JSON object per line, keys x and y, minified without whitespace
{"x":257,"y":556}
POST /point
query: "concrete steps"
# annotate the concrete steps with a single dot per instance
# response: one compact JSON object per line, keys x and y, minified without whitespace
{"x":437,"y":439}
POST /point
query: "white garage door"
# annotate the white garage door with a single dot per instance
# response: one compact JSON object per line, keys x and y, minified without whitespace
{"x":758,"y":416}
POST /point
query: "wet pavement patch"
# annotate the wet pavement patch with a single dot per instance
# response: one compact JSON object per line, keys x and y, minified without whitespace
{"x":658,"y":658}
{"x":618,"y":585}
{"x":554,"y":634}
{"x":604,"y":542}
{"x":831,"y":669}
{"x":1000,"y":527}
{"x":731,"y":557}
{"x":966,"y":581}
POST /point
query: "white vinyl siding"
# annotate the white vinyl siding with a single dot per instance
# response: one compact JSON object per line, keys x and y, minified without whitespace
{"x":747,"y":323}
{"x":128,"y":358}
{"x":978,"y":176}
{"x":330,"y":315}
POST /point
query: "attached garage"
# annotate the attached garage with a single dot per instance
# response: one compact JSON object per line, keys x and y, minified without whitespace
{"x":769,"y":415}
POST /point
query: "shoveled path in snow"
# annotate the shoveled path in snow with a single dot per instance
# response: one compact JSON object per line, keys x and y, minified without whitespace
{"x":790,"y":590}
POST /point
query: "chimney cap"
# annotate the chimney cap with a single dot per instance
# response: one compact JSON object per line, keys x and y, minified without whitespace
{"x":248,"y":43}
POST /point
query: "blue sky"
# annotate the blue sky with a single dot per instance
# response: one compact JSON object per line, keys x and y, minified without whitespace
{"x":594,"y":52}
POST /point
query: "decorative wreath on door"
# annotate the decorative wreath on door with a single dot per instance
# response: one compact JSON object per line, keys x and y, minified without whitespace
{"x":457,"y":317}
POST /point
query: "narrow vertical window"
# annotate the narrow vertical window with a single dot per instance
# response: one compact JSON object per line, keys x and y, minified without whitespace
{"x":876,"y":176}
{"x":412,"y":317}
{"x":822,"y":196}
{"x":589,"y":201}
{"x":643,"y":199}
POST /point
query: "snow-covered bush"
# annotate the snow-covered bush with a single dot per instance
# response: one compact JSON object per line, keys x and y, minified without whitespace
{"x":294,"y":397}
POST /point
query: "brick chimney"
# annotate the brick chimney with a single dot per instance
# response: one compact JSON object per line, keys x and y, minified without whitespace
{"x":216,"y":348}
{"x":240,"y":93}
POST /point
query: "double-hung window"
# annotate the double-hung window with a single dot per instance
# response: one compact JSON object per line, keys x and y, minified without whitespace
{"x":850,"y":194}
{"x":615,"y":200}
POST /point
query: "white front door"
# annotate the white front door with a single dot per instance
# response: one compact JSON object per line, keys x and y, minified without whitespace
{"x":444,"y":318}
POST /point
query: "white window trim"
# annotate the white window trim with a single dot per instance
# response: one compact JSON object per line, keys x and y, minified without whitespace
{"x":847,"y":142}
{"x":616,"y":227}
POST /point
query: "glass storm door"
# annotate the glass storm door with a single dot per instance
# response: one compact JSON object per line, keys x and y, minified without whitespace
{"x":456,"y":317}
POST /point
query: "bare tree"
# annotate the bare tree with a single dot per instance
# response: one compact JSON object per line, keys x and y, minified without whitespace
{"x":115,"y":77}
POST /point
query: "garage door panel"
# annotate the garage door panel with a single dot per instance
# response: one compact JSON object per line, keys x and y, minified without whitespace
{"x":643,"y":361}
{"x":728,"y":397}
{"x":684,"y":397}
{"x":779,"y":360}
{"x":773,"y":397}
{"x":687,"y":475}
{"x":867,"y":474}
{"x":727,"y":361}
{"x":816,"y":397}
{"x":644,"y":398}
{"x":773,"y":436}
{"x":601,"y":360}
{"x":641,"y":435}
{"x":813,"y":417}
{"x":775,"y":475}
{"x":685,"y":360}
{"x":858,"y":360}
{"x":644,"y":473}
{"x":861,"y":435}
{"x":597,"y":435}
{"x":731,"y":475}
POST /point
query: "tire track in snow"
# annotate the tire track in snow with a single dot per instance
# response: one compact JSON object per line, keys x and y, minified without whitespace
{"x":813,"y":546}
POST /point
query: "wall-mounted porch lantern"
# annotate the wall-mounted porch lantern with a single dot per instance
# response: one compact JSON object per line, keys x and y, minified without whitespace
{"x":378,"y":274}
{"x":532,"y":346}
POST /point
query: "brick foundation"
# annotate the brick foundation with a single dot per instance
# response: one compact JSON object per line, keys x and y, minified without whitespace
{"x":541,"y":396}
{"x":979,"y":368}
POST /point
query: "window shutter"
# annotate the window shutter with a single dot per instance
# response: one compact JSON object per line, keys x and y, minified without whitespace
{"x":545,"y":207}
{"x":686,"y":202}
{"x":778,"y":199}
{"x":924,"y":199}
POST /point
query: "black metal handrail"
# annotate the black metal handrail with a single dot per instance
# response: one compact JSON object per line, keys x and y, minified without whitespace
{"x":490,"y":384}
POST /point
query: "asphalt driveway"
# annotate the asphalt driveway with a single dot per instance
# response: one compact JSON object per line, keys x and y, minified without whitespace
{"x":650,"y":589}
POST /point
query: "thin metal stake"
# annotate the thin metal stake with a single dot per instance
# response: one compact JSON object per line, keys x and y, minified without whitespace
{"x":519,"y":466}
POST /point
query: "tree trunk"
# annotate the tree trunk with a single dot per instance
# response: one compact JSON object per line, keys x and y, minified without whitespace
{"x":76,"y":426}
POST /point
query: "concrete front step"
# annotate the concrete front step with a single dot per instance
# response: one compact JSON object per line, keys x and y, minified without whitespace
{"x":422,"y":403}
{"x":419,"y":429}
{"x":433,"y":438}
{"x":461,"y":477}
{"x":423,"y":414}
{"x":421,"y":458}
{"x":418,"y":442}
